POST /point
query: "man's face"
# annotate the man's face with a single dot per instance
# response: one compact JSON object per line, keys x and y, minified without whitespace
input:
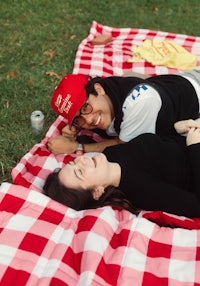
{"x":101,"y":111}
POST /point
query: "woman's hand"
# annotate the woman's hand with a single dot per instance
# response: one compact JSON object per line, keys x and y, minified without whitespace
{"x":193,"y":136}
{"x":61,"y":145}
{"x":184,"y":126}
{"x":69,"y":132}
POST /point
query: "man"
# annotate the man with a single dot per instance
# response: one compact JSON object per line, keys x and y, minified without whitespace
{"x":124,"y":107}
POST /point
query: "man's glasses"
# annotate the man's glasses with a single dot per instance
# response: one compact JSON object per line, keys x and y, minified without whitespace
{"x":79,"y":121}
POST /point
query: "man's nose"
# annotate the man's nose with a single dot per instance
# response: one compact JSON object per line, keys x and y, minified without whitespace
{"x":89,"y":118}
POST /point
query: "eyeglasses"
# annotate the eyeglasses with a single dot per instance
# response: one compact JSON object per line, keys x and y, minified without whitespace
{"x":79,"y":121}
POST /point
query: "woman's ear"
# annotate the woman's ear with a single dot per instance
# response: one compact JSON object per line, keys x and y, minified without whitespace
{"x":99,"y":89}
{"x":98,"y":192}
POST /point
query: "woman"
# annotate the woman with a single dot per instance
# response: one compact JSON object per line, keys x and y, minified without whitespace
{"x":153,"y":173}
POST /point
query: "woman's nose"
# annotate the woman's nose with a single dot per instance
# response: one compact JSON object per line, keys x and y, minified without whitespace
{"x":82,"y":160}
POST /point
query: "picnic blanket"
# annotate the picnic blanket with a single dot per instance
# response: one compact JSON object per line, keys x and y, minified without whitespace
{"x":45,"y":243}
{"x":114,"y":57}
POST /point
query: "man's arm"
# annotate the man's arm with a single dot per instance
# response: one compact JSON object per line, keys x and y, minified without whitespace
{"x":63,"y":145}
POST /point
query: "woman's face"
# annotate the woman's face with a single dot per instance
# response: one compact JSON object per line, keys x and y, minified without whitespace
{"x":85,"y":172}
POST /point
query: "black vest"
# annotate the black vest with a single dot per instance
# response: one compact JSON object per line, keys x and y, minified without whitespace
{"x":178,"y":96}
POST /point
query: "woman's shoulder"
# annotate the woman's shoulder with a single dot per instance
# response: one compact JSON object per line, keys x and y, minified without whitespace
{"x":150,"y":138}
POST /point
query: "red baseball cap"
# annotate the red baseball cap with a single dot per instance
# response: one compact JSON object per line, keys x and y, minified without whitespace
{"x":70,"y":95}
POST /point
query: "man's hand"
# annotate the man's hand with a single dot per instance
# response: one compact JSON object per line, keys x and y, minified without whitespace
{"x":184,"y":126}
{"x":69,"y":132}
{"x":193,"y":136}
{"x":61,"y":145}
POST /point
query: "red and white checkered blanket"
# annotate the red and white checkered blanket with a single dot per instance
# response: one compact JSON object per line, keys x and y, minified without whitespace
{"x":45,"y":243}
{"x":112,"y":58}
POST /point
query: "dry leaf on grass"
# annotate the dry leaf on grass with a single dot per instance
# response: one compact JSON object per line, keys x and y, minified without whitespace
{"x":30,"y":81}
{"x":50,"y":53}
{"x":51,"y":73}
{"x":12,"y":74}
{"x":72,"y":37}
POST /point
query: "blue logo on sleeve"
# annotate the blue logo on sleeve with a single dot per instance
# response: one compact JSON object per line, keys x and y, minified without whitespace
{"x":136,"y":92}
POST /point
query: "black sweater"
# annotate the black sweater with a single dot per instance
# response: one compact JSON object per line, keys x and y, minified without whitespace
{"x":160,"y":173}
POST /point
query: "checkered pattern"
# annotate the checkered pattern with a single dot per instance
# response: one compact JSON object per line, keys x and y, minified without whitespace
{"x":45,"y":243}
{"x":112,"y":58}
{"x":38,"y":163}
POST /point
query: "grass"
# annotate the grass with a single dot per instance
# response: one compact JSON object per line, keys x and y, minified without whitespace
{"x":38,"y":44}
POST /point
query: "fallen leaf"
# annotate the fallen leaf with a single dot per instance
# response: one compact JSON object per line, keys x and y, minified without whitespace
{"x":51,"y":73}
{"x":72,"y":37}
{"x":12,"y":74}
{"x":7,"y":104}
{"x":50,"y":53}
{"x":155,"y":10}
{"x":30,"y":81}
{"x":60,"y":21}
{"x":2,"y":169}
{"x":14,"y":36}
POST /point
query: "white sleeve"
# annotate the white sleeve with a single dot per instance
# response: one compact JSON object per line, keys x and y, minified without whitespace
{"x":140,"y":112}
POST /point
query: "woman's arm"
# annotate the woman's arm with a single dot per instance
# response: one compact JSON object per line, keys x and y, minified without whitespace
{"x":160,"y":195}
{"x":170,"y":198}
{"x":184,"y":126}
{"x":193,"y":143}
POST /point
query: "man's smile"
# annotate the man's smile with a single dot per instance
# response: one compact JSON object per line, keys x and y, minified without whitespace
{"x":98,"y":120}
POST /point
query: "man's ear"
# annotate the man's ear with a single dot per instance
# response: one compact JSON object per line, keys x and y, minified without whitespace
{"x":99,"y":89}
{"x":98,"y":192}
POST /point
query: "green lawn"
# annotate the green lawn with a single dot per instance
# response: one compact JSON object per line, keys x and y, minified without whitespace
{"x":38,"y":42}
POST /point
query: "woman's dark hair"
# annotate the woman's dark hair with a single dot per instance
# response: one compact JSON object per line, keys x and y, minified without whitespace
{"x":81,"y":200}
